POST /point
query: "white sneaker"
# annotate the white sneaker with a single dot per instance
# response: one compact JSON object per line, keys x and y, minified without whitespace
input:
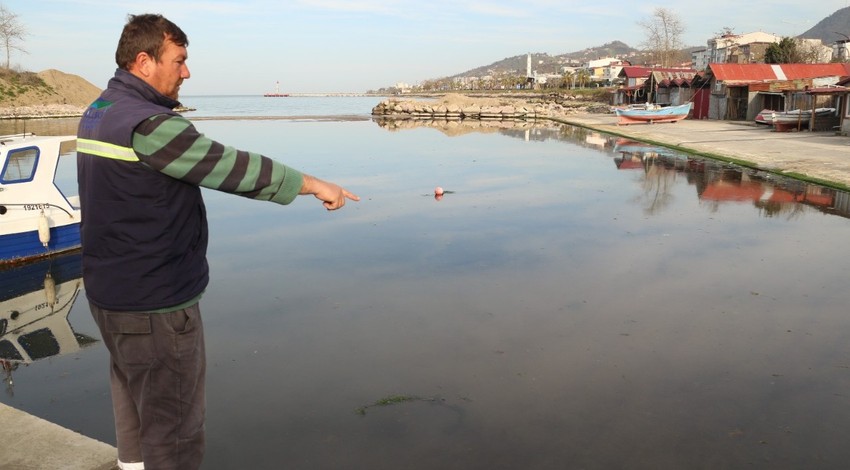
{"x":131,"y":465}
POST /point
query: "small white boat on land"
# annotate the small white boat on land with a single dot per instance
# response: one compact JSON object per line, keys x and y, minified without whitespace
{"x":787,"y":120}
{"x":37,"y":219}
{"x":652,"y":114}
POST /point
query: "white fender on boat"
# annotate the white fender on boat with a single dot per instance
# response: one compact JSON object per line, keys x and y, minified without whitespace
{"x":43,"y":229}
{"x":50,"y":290}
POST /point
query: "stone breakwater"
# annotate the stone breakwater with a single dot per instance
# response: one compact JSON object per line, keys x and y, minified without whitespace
{"x":470,"y":109}
{"x":41,"y":111}
{"x":419,"y":110}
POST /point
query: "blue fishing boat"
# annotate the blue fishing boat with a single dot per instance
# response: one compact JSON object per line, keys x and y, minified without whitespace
{"x":37,"y":219}
{"x":652,"y":113}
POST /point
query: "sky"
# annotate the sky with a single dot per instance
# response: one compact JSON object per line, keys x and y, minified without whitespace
{"x":245,"y":47}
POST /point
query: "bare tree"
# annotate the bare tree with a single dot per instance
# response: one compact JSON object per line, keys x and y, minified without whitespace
{"x":11,"y":33}
{"x":663,"y":31}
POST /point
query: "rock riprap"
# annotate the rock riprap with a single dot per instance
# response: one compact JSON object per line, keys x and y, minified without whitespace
{"x":410,"y":109}
{"x":460,"y":107}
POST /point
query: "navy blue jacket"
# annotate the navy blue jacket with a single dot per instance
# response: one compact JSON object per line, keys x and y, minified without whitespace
{"x":144,"y":234}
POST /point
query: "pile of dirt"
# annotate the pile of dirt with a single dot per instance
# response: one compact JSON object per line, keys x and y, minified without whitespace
{"x":72,"y":89}
{"x":61,"y":94}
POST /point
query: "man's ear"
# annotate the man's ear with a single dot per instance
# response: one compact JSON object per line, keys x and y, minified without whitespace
{"x":142,"y":65}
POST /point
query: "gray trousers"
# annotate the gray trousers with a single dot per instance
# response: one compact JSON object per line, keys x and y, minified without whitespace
{"x":157,"y":370}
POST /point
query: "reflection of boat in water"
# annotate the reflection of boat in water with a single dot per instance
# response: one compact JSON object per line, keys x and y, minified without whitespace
{"x":636,"y":147}
{"x":653,"y":114}
{"x":35,"y":300}
{"x":36,"y":218}
{"x":633,"y":153}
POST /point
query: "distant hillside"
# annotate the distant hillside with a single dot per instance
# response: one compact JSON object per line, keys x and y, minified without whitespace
{"x":611,"y":49}
{"x":828,"y":29}
{"x":545,"y":63}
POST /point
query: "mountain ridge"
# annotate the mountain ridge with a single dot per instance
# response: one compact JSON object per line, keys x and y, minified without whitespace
{"x":833,"y":28}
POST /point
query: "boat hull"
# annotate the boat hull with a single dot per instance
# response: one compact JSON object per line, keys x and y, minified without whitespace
{"x":23,"y":247}
{"x":784,"y":121}
{"x":652,"y":116}
{"x":790,"y":125}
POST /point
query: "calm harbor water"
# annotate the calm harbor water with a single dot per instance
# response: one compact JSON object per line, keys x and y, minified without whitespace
{"x":576,"y":301}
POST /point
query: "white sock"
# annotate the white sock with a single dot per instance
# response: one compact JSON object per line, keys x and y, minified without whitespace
{"x":131,"y":465}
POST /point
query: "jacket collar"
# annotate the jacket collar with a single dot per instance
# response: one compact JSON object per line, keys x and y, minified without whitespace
{"x":128,"y":81}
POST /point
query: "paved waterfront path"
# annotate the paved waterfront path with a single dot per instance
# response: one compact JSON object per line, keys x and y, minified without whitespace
{"x":31,"y":443}
{"x":820,"y":156}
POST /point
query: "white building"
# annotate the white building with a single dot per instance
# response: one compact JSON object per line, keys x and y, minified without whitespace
{"x":739,"y":48}
{"x":699,"y":58}
{"x":750,"y":48}
{"x":606,"y":69}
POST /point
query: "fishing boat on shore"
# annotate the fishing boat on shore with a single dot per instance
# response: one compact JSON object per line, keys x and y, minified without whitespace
{"x":652,"y":114}
{"x":37,"y":219}
{"x":784,"y":121}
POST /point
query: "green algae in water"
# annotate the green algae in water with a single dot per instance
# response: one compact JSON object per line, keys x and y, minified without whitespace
{"x":390,"y":400}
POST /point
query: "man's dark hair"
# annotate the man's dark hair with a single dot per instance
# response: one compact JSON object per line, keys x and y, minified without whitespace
{"x":146,"y":33}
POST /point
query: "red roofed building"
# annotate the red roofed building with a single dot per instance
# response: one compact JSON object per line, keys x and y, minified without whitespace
{"x":741,"y":91}
{"x":664,"y":86}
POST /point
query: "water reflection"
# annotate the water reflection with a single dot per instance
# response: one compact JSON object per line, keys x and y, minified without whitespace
{"x":718,"y":182}
{"x":35,"y":300}
{"x":60,"y":126}
{"x":526,"y":130}
{"x":715,"y":182}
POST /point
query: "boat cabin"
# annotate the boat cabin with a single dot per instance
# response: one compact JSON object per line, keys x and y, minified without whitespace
{"x":38,"y":217}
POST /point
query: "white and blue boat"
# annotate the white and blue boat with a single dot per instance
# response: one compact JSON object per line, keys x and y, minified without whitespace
{"x":37,"y":219}
{"x":650,"y":114}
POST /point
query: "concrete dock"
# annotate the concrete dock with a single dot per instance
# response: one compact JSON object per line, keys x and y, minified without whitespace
{"x":31,"y":443}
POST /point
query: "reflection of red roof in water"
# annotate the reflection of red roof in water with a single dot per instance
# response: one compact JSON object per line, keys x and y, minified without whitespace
{"x":726,"y":191}
{"x":825,"y":200}
{"x":755,"y":191}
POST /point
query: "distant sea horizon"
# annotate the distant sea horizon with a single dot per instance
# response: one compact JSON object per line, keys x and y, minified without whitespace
{"x":295,"y":105}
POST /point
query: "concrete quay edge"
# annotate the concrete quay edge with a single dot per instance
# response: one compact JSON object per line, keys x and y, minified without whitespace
{"x":818,"y":157}
{"x":31,"y":443}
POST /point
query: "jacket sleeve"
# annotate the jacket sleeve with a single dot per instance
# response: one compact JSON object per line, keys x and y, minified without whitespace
{"x":171,"y":144}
